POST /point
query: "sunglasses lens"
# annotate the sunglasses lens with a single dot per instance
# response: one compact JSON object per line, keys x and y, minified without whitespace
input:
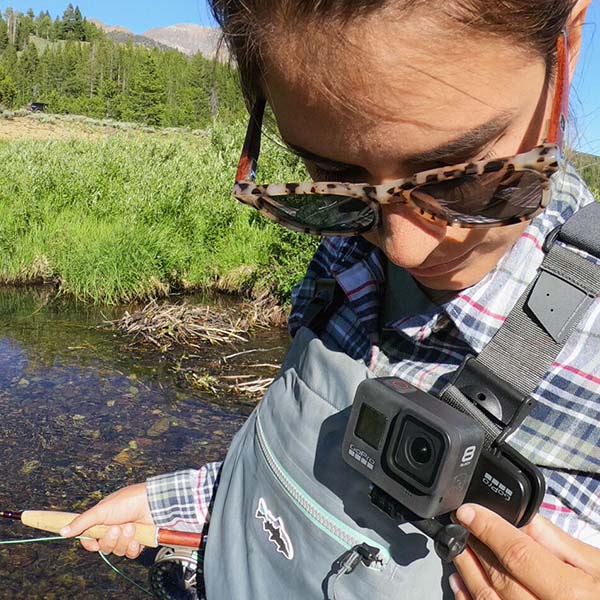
{"x":483,"y":199}
{"x":323,"y":213}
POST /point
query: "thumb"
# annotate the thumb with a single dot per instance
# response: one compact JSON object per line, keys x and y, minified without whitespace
{"x":82,"y":522}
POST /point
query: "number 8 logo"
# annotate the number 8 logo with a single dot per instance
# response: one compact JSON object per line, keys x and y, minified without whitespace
{"x":468,"y":455}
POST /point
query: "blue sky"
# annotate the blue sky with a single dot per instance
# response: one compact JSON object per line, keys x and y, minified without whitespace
{"x":140,"y":16}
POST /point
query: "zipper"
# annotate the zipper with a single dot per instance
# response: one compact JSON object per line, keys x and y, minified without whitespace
{"x":347,"y":537}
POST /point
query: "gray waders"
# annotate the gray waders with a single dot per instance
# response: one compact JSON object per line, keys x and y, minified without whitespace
{"x":289,"y":510}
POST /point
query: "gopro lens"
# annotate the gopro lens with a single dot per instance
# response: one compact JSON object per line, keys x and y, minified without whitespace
{"x":420,"y":450}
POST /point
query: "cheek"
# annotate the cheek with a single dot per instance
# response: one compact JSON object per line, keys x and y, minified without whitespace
{"x":499,"y":240}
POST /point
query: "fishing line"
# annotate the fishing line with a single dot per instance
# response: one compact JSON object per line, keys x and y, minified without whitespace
{"x":31,"y":541}
{"x":127,"y":578}
{"x":102,"y":556}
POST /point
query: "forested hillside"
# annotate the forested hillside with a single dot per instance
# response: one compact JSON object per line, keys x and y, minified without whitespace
{"x":589,"y":167}
{"x":71,"y":65}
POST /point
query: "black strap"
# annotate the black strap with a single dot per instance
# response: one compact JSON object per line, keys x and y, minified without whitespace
{"x":328,"y":298}
{"x":581,"y":230}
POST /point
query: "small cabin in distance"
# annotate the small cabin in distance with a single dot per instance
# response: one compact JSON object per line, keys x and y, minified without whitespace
{"x":37,"y":107}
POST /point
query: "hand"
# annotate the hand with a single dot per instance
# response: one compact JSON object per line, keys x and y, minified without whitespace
{"x":537,"y":562}
{"x":122,"y":508}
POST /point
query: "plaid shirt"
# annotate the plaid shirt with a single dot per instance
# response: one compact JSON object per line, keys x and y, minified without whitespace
{"x":424,"y":348}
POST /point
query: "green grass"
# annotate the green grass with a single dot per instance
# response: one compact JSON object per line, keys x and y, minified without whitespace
{"x":133,"y":216}
{"x":139,"y":214}
{"x":589,"y":167}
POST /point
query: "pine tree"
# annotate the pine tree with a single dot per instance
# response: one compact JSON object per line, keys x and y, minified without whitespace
{"x":72,"y":24}
{"x":8,"y":91}
{"x":145,"y":99}
{"x":27,"y":73}
{"x":43,"y":25}
{"x":10,"y":58}
{"x":25,"y":29}
{"x":3,"y":34}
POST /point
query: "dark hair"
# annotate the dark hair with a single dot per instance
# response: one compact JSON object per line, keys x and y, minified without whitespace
{"x":533,"y":25}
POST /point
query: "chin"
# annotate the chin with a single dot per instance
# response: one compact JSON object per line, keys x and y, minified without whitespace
{"x":444,"y":284}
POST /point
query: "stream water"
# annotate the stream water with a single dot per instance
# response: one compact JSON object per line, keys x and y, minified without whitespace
{"x":84,"y":413}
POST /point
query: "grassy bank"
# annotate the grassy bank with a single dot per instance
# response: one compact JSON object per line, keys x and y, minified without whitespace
{"x":589,"y":167}
{"x":115,"y":212}
{"x":133,"y":214}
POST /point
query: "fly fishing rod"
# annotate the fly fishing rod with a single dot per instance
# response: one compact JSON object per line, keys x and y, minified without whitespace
{"x":173,"y":575}
{"x":147,"y":535}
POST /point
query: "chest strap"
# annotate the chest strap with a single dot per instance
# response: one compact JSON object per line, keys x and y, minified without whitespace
{"x":495,"y":387}
{"x":327,"y":298}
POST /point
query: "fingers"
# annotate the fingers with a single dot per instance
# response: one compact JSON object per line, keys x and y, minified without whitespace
{"x":485,"y":577}
{"x":565,"y":547}
{"x":118,"y":540}
{"x":471,"y":581}
{"x":517,"y":566}
{"x":458,"y":587}
{"x":134,"y":549}
{"x":90,"y":545}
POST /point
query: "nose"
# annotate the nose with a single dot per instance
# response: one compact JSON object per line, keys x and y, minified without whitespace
{"x":406,"y":238}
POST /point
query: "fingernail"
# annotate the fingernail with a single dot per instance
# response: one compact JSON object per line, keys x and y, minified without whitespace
{"x":128,"y":529}
{"x":65,"y":531}
{"x":465,"y":514}
{"x":114,"y":532}
{"x":454,"y":584}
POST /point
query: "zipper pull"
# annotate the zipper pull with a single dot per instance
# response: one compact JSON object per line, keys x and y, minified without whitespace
{"x":368,"y":554}
{"x":362,"y":553}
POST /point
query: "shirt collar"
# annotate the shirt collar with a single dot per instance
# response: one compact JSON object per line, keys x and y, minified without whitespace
{"x":477,"y":312}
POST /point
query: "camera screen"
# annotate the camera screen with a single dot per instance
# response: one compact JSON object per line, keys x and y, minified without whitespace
{"x":370,"y":425}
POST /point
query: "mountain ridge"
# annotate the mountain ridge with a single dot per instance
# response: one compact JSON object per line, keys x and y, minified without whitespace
{"x":188,"y":38}
{"x":110,"y":28}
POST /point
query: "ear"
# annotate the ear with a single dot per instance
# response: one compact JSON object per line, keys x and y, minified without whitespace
{"x":574,"y":32}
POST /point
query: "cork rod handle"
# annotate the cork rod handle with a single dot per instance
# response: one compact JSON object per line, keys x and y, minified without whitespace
{"x":53,"y":521}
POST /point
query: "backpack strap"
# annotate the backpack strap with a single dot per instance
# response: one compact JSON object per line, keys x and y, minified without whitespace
{"x":495,"y":387}
{"x":328,"y":297}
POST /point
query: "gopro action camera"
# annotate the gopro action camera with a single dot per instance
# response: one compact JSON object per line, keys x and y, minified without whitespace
{"x":430,"y":458}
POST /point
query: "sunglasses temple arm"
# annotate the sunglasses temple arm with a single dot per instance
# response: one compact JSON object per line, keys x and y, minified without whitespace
{"x":560,"y":108}
{"x":247,"y":166}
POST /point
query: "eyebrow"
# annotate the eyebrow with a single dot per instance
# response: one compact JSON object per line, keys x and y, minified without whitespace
{"x":463,"y":146}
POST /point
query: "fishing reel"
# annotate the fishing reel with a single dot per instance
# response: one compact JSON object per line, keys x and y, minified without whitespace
{"x":173,"y":574}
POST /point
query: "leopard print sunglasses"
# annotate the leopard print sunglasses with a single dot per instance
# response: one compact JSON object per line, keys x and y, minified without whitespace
{"x":482,"y":194}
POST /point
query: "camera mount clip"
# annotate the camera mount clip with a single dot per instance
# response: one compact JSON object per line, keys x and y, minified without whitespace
{"x":449,"y":540}
{"x":504,"y":405}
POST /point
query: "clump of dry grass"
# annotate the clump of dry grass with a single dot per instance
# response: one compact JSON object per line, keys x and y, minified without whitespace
{"x":184,"y":327}
{"x":168,"y":325}
{"x":251,"y":386}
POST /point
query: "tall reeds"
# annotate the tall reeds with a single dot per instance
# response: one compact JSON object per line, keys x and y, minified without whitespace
{"x":138,"y":215}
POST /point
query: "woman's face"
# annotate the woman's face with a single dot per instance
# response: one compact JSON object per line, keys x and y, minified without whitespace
{"x":402,"y":96}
